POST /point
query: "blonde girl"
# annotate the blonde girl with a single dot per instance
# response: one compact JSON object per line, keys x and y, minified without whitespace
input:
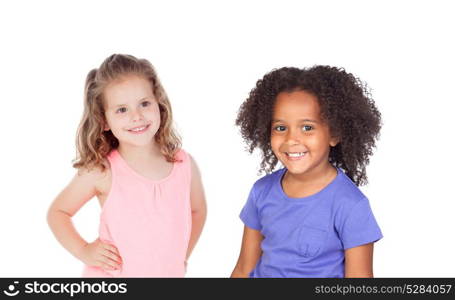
{"x":130,"y":158}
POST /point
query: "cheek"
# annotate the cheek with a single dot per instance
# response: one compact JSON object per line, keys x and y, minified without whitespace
{"x":116,"y":122}
{"x":321,"y":143}
{"x":112,"y":120}
{"x":155,"y":113}
{"x":153,"y":116}
{"x":275,"y":143}
{"x":158,"y":115}
{"x":108,"y":122}
{"x":156,"y":118}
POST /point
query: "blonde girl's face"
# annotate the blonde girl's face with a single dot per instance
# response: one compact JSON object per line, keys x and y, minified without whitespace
{"x":131,"y":111}
{"x":300,"y":139}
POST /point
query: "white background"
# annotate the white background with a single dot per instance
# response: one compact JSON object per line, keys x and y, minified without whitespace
{"x":209,"y":55}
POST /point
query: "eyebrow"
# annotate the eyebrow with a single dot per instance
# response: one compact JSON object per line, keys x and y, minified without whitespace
{"x":301,"y":120}
{"x":145,"y":98}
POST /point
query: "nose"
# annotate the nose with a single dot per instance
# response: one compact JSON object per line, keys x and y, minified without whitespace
{"x":293,"y":137}
{"x":136,"y":115}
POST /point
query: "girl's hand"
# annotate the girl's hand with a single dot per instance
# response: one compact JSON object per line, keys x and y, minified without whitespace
{"x":100,"y":254}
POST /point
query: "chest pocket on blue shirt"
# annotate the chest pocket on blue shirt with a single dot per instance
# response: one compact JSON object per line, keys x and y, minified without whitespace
{"x":311,"y":241}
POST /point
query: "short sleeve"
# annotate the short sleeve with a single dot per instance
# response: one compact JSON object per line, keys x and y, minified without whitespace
{"x":249,"y":214}
{"x":360,"y":226}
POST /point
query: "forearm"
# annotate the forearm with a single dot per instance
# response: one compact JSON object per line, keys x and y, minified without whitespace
{"x":244,"y":266}
{"x":358,"y":274}
{"x":250,"y":252}
{"x":240,"y":272}
{"x":198,"y":221}
{"x":65,"y":232}
{"x":359,"y":261}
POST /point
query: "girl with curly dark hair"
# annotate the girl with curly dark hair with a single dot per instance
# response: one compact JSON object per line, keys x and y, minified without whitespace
{"x":309,"y":219}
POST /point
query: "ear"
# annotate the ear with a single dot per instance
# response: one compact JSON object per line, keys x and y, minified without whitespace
{"x":106,"y":127}
{"x":334,"y":141}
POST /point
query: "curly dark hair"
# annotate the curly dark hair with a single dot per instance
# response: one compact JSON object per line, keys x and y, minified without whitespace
{"x":346,"y":105}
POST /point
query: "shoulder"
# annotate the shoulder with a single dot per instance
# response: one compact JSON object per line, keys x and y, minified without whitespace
{"x":348,"y":198}
{"x":95,"y":177}
{"x":182,"y":156}
{"x":264,"y":183}
{"x":188,"y":162}
{"x":93,"y":174}
{"x":347,"y":193}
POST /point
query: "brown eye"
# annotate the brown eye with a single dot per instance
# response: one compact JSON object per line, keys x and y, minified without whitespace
{"x":146,"y":103}
{"x":121,"y":110}
{"x":307,"y":127}
{"x":280,"y":128}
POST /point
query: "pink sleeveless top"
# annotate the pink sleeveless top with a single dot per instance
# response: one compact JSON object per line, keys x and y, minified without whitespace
{"x":148,"y":221}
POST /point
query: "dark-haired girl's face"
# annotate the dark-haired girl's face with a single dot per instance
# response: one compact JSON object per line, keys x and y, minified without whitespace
{"x":300,"y":139}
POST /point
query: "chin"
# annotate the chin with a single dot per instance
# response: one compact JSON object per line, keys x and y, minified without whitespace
{"x":139,"y":143}
{"x":297,"y":170}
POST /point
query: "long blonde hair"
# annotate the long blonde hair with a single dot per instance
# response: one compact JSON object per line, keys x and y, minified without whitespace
{"x":93,"y":143}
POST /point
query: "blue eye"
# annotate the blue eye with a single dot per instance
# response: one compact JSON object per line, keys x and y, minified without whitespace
{"x":121,"y":110}
{"x":307,"y":127}
{"x":280,"y":128}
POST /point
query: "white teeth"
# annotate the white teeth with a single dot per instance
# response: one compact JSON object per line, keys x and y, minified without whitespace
{"x":295,"y":154}
{"x":138,"y":129}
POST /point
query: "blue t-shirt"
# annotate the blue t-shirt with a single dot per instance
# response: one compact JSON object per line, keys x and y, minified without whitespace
{"x":306,"y":237}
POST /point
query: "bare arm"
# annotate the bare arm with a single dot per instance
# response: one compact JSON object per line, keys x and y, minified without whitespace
{"x":68,"y":202}
{"x":198,"y":207}
{"x":81,"y":189}
{"x":249,"y":253}
{"x":359,"y":261}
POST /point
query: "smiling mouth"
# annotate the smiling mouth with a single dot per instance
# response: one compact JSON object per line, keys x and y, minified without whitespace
{"x":295,"y":154}
{"x":139,"y":129}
